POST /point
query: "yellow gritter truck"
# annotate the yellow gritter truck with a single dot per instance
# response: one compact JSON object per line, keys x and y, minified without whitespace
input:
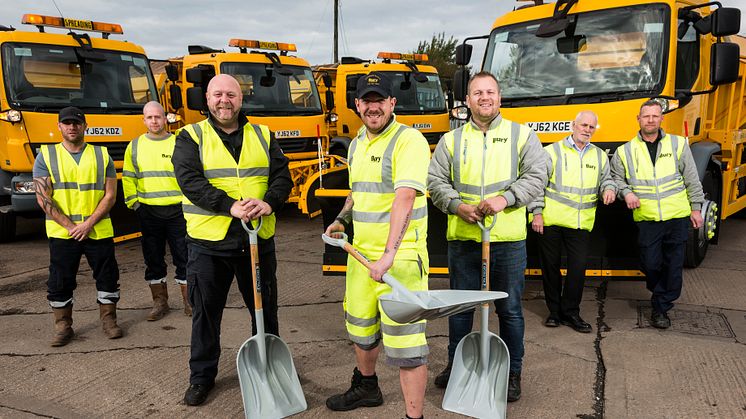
{"x":41,"y":73}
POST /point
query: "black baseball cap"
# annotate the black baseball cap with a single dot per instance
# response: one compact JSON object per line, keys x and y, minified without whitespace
{"x":374,"y":82}
{"x":71,"y":113}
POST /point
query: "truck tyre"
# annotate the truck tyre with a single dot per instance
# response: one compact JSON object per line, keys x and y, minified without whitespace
{"x":7,"y":226}
{"x":699,"y":239}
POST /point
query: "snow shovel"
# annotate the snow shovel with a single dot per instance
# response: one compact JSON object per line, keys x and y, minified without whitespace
{"x":269,"y":384}
{"x":405,"y":306}
{"x":478,"y":385}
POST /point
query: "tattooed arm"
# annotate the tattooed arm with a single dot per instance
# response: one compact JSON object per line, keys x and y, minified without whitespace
{"x":44,"y":190}
{"x":343,"y":220}
{"x":401,"y":212}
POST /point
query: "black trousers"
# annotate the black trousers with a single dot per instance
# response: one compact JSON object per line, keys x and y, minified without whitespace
{"x":209,"y":279}
{"x":563,"y":299}
{"x":662,"y":250}
{"x":156,"y":232}
{"x":64,"y":261}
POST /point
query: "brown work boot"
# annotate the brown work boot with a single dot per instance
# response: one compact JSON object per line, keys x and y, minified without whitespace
{"x":160,"y":301}
{"x":185,"y":296}
{"x":109,"y":321}
{"x":63,"y":321}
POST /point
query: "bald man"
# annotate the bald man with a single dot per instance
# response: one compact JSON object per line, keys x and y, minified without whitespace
{"x":229,"y":170}
{"x":151,"y":190}
{"x":564,"y":216}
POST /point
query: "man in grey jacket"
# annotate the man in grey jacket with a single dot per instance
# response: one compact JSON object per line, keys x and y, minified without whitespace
{"x":656,"y":175}
{"x":490,"y":167}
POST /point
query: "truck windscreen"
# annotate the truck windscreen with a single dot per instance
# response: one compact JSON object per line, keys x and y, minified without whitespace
{"x":47,"y":78}
{"x":267,"y":92}
{"x":601,"y":55}
{"x":413,"y":97}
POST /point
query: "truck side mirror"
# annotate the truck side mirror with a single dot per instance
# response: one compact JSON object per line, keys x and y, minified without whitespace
{"x":200,"y":76}
{"x":329,"y":100}
{"x":724,"y":57}
{"x":726,"y":21}
{"x":460,"y":84}
{"x":172,"y":72}
{"x":570,"y":44}
{"x":463,"y":54}
{"x":196,"y":99}
{"x":174,"y":93}
{"x":327,"y":80}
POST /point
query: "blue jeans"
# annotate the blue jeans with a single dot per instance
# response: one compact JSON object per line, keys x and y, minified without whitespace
{"x":507,"y":266}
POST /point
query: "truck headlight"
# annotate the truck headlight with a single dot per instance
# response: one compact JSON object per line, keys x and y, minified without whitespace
{"x":333,"y":117}
{"x":11,"y":116}
{"x":25,"y":187}
{"x":172,"y":118}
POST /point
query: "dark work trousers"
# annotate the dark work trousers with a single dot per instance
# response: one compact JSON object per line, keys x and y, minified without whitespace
{"x":156,"y":232}
{"x":563,"y":300}
{"x":662,"y":248}
{"x":209,"y":278}
{"x":64,"y":261}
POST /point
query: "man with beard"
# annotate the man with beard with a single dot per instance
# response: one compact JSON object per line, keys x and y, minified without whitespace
{"x":229,"y":171}
{"x":76,"y":186}
{"x":151,"y":190}
{"x":489,"y":167}
{"x":656,"y":175}
{"x":564,"y":215}
{"x":388,"y":210}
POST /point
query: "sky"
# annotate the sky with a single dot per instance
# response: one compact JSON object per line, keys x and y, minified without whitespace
{"x":165,"y":28}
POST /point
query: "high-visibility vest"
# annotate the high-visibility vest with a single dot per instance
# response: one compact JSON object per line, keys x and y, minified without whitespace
{"x":77,"y":187}
{"x":571,"y":196}
{"x":246,"y":179}
{"x":372,"y":165}
{"x":148,"y":174}
{"x":486,"y":164}
{"x":659,"y":187}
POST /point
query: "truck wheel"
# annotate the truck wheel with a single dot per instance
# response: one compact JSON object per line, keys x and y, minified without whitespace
{"x":7,"y":226}
{"x":699,"y":239}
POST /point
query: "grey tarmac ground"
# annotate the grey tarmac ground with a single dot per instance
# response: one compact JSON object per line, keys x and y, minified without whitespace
{"x":624,"y":369}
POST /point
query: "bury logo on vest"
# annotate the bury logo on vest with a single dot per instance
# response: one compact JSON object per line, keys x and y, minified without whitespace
{"x":375,"y":159}
{"x":664,"y":155}
{"x":589,"y":166}
{"x":166,"y":156}
{"x":244,"y":179}
{"x":500,"y":140}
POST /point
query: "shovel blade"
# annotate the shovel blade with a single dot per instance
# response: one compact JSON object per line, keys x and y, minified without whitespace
{"x":474,"y":390}
{"x":272,"y":390}
{"x":435,"y":304}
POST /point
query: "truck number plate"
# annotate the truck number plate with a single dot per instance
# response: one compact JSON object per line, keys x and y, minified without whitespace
{"x":550,"y":126}
{"x":103,"y":131}
{"x":287,"y":133}
{"x":422,"y":125}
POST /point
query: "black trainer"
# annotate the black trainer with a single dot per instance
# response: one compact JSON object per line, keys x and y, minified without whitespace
{"x":196,"y":394}
{"x":660,"y":320}
{"x":441,"y":380}
{"x":363,"y":392}
{"x":514,"y":386}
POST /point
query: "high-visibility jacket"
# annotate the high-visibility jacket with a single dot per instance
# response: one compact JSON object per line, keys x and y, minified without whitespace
{"x":245,"y":179}
{"x":659,"y":187}
{"x":485,"y":165}
{"x":148,"y":174}
{"x":571,"y":196}
{"x":397,"y":157}
{"x":78,"y":187}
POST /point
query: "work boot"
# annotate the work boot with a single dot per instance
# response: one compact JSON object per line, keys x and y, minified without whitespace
{"x":441,"y":381}
{"x":109,"y":321}
{"x":185,"y":297}
{"x":160,"y":301}
{"x":514,"y":386}
{"x":660,"y":320}
{"x":364,"y":392}
{"x":63,"y":321}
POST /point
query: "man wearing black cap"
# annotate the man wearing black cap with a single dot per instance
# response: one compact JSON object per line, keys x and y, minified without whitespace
{"x":387,"y":206}
{"x":76,"y":186}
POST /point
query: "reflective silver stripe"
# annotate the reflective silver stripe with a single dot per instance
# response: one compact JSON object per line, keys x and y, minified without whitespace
{"x":134,"y":156}
{"x":351,"y":150}
{"x":77,"y":217}
{"x":127,"y":173}
{"x":373,"y":187}
{"x":129,"y":198}
{"x":404,"y":353}
{"x":630,"y":163}
{"x":220,"y":173}
{"x":515,"y":132}
{"x":60,"y":304}
{"x":569,"y":202}
{"x":365,"y":340}
{"x":360,"y":322}
{"x":100,"y":169}
{"x":659,"y":196}
{"x":674,"y":152}
{"x":223,"y":173}
{"x":65,"y":185}
{"x":669,"y":178}
{"x":159,"y":194}
{"x":90,"y":187}
{"x":457,"y":155}
{"x":54,"y":166}
{"x":403,"y":329}
{"x":488,"y":189}
{"x":253,"y":171}
{"x":600,"y":169}
{"x":264,"y":141}
{"x":193,"y":209}
{"x":558,"y":164}
{"x":572,"y":189}
{"x":105,"y":297}
{"x":157,"y":173}
{"x":384,"y":217}
{"x":198,"y":131}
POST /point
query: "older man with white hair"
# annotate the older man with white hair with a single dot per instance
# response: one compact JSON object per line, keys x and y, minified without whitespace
{"x":564,"y":215}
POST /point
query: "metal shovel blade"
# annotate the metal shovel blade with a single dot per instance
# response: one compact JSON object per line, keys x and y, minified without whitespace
{"x":474,"y":390}
{"x":434,"y":304}
{"x":273,"y":390}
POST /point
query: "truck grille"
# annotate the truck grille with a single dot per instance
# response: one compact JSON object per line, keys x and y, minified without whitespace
{"x":297,"y":145}
{"x":433,"y":137}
